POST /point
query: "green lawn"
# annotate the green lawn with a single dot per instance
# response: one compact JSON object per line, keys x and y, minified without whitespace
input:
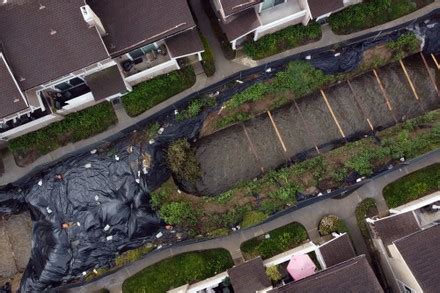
{"x":372,"y":13}
{"x":281,"y":239}
{"x":412,"y":186}
{"x":179,"y":270}
{"x":74,"y":127}
{"x":154,"y":91}
{"x":288,"y":38}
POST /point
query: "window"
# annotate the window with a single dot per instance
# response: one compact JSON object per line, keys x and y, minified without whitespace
{"x":67,"y":85}
{"x":139,"y":53}
{"x":267,"y":4}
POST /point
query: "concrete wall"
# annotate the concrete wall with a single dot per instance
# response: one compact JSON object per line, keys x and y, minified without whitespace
{"x":152,"y":72}
{"x":298,"y":18}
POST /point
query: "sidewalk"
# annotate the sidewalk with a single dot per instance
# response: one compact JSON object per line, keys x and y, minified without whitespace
{"x":308,"y":216}
{"x":224,"y":68}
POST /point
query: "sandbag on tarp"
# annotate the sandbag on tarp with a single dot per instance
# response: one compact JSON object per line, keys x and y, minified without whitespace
{"x":101,"y":198}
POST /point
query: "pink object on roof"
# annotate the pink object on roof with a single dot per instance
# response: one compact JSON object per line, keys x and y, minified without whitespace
{"x":301,"y":266}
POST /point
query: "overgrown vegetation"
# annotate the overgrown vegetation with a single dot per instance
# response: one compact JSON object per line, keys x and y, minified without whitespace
{"x":154,"y":91}
{"x":195,"y":108}
{"x":208,"y":61}
{"x":285,"y":39}
{"x":253,"y":218}
{"x":274,"y":274}
{"x":367,"y":208}
{"x":277,"y":189}
{"x":413,"y":186}
{"x":277,"y":241}
{"x":178,"y":213}
{"x":73,"y":128}
{"x":372,"y":13}
{"x":182,"y":161}
{"x":330,"y":224}
{"x":405,"y":43}
{"x":179,"y":270}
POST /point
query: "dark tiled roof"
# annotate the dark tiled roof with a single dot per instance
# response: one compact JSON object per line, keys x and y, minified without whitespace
{"x":185,"y":43}
{"x":235,"y":6}
{"x":354,"y":275}
{"x":11,"y":99}
{"x":421,"y":252}
{"x":320,"y":7}
{"x":249,"y":277}
{"x":396,"y":227}
{"x":337,"y":251}
{"x":44,"y":40}
{"x":133,"y":23}
{"x":106,"y":83}
{"x":243,"y":24}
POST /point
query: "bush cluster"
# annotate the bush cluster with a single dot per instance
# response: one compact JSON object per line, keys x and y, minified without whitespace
{"x":280,"y":240}
{"x":208,"y":61}
{"x":182,"y":161}
{"x":154,"y":91}
{"x":330,"y":224}
{"x":179,"y":270}
{"x":288,"y":38}
{"x":74,"y":127}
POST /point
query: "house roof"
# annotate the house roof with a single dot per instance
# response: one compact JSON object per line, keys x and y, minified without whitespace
{"x":421,"y":253}
{"x":234,"y":6}
{"x":249,"y":277}
{"x":241,"y":25}
{"x":11,"y":98}
{"x":337,"y":250}
{"x":132,"y":23}
{"x":184,"y":44}
{"x":354,"y":275}
{"x":395,"y":227}
{"x":106,"y":83}
{"x":46,"y":39}
{"x":319,"y":8}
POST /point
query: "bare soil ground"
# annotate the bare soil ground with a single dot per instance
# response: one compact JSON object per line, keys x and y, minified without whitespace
{"x":15,"y":247}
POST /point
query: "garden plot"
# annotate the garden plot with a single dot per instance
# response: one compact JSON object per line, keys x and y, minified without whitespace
{"x":225,"y":158}
{"x":369,"y":93}
{"x":424,"y":79}
{"x":404,"y":103}
{"x":347,"y":110}
{"x":296,"y":136}
{"x":265,"y":142}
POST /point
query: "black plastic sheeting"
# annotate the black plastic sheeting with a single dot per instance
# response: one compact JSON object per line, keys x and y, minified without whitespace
{"x":111,"y":187}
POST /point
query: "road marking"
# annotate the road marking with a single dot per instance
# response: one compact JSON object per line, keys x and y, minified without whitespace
{"x":277,"y":132}
{"x":430,"y":74}
{"x":435,"y":61}
{"x":361,"y":105}
{"x":332,"y":113}
{"x":409,"y":80}
{"x":306,"y":126}
{"x":253,"y":149}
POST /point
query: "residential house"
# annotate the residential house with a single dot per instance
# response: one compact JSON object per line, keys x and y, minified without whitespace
{"x":243,"y":20}
{"x":338,"y":270}
{"x":408,"y":245}
{"x":61,"y":56}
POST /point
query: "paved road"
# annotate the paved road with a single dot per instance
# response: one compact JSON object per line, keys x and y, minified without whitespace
{"x":224,"y":67}
{"x":308,"y":216}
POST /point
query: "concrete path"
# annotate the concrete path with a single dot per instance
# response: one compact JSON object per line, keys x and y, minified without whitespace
{"x":308,"y":216}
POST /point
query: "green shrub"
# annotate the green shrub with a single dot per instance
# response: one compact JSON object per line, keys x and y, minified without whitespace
{"x":288,"y":38}
{"x":413,"y":186}
{"x":208,"y":61}
{"x":372,"y":13}
{"x":330,"y":224}
{"x":220,"y":232}
{"x":76,"y":126}
{"x":253,"y":218}
{"x":179,"y":213}
{"x":281,"y":239}
{"x":367,"y":208}
{"x":274,"y":274}
{"x":154,"y":91}
{"x":182,"y":161}
{"x":179,"y":270}
{"x":195,"y":108}
{"x":406,"y":43}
